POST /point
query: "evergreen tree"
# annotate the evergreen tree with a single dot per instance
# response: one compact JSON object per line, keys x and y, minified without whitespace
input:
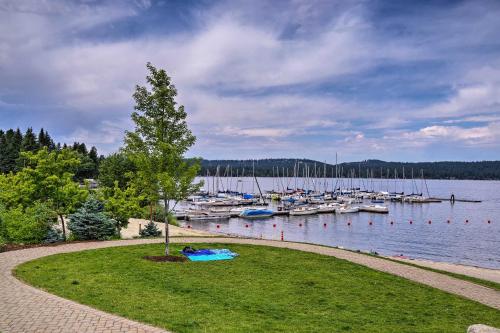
{"x":3,"y":151}
{"x":29,"y":142}
{"x":80,"y":147}
{"x":95,"y":159}
{"x":93,"y":155}
{"x":44,"y":140}
{"x":8,"y":159}
{"x":150,"y":230}
{"x":89,"y":222}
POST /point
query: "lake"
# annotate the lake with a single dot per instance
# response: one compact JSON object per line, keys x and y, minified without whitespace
{"x":475,"y":242}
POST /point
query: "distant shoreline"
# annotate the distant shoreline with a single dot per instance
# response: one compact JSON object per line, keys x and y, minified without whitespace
{"x":376,"y":169}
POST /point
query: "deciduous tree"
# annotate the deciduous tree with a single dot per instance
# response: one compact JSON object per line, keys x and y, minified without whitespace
{"x":159,"y":142}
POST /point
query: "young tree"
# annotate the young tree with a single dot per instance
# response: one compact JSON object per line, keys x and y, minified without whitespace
{"x":50,"y":176}
{"x":159,"y":142}
{"x":121,"y":204}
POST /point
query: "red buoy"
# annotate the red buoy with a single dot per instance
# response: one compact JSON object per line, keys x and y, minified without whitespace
{"x":370,"y":223}
{"x":274,"y":225}
{"x":430,"y":222}
{"x":218,"y":226}
{"x":466,"y":221}
{"x":300,"y":224}
{"x":282,"y":235}
{"x":448,"y":221}
{"x":348,"y":223}
{"x":489,"y":221}
{"x":392,"y":222}
{"x":324,"y":225}
{"x":189,"y":227}
{"x":411,"y":222}
{"x":246,"y":225}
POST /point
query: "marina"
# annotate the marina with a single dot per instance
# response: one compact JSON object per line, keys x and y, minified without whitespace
{"x":464,"y":231}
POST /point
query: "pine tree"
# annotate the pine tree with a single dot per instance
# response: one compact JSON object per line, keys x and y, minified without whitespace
{"x":29,"y":142}
{"x":150,"y":230}
{"x":41,"y":138}
{"x":3,"y":151}
{"x":44,"y":140}
{"x":95,"y":159}
{"x":12,"y":146}
{"x":93,"y":155}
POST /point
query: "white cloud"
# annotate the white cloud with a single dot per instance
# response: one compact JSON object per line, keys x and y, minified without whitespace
{"x":240,"y":77}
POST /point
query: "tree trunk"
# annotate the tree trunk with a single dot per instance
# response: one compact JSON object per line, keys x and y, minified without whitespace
{"x":63,"y":226}
{"x":167,"y":236}
{"x":150,"y":212}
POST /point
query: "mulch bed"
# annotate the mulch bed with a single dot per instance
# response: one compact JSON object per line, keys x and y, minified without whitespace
{"x":165,"y":258}
{"x":15,"y":247}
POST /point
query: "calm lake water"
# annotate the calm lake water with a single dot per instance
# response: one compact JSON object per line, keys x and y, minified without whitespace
{"x":475,"y":242}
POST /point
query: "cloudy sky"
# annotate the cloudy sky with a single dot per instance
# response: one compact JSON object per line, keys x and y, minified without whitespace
{"x":393,"y":80}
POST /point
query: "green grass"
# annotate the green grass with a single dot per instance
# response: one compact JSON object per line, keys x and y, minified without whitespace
{"x":264,"y":290}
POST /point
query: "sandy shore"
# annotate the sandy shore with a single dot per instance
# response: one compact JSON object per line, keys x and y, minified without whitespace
{"x":477,"y":272}
{"x":132,"y":230}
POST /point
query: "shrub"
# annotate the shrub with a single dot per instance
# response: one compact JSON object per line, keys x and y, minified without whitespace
{"x":90,"y":223}
{"x":150,"y":230}
{"x":2,"y":242}
{"x":53,"y":236}
{"x":29,"y":226}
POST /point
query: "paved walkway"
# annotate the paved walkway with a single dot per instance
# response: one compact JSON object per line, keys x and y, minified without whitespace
{"x":477,"y":272}
{"x":27,"y":309}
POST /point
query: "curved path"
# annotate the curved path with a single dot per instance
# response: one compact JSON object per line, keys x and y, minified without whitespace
{"x":27,"y":309}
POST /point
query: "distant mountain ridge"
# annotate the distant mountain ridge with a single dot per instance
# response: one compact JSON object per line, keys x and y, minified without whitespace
{"x":481,"y":170}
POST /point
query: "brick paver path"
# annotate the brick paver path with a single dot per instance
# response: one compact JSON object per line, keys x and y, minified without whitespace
{"x":27,"y":309}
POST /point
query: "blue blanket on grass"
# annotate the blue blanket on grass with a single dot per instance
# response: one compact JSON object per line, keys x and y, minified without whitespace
{"x":210,"y":254}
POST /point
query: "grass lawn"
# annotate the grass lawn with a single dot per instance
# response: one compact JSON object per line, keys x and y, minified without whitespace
{"x":264,"y":290}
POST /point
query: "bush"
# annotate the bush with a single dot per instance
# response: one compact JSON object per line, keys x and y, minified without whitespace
{"x":27,"y":227}
{"x":150,"y":230}
{"x":2,"y":242}
{"x":53,"y":236}
{"x":90,"y":223}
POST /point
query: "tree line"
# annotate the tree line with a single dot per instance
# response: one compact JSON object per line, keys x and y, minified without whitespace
{"x":279,"y":167}
{"x":13,"y":143}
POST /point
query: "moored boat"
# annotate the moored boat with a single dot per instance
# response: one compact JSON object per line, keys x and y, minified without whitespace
{"x":303,"y":210}
{"x":328,"y":207}
{"x":254,"y":213}
{"x":374,"y":209}
{"x":347,"y":209}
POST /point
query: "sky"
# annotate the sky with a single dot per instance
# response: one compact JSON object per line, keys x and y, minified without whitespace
{"x":390,"y":80}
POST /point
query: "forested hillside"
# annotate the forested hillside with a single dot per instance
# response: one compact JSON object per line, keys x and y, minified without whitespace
{"x":376,"y":168}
